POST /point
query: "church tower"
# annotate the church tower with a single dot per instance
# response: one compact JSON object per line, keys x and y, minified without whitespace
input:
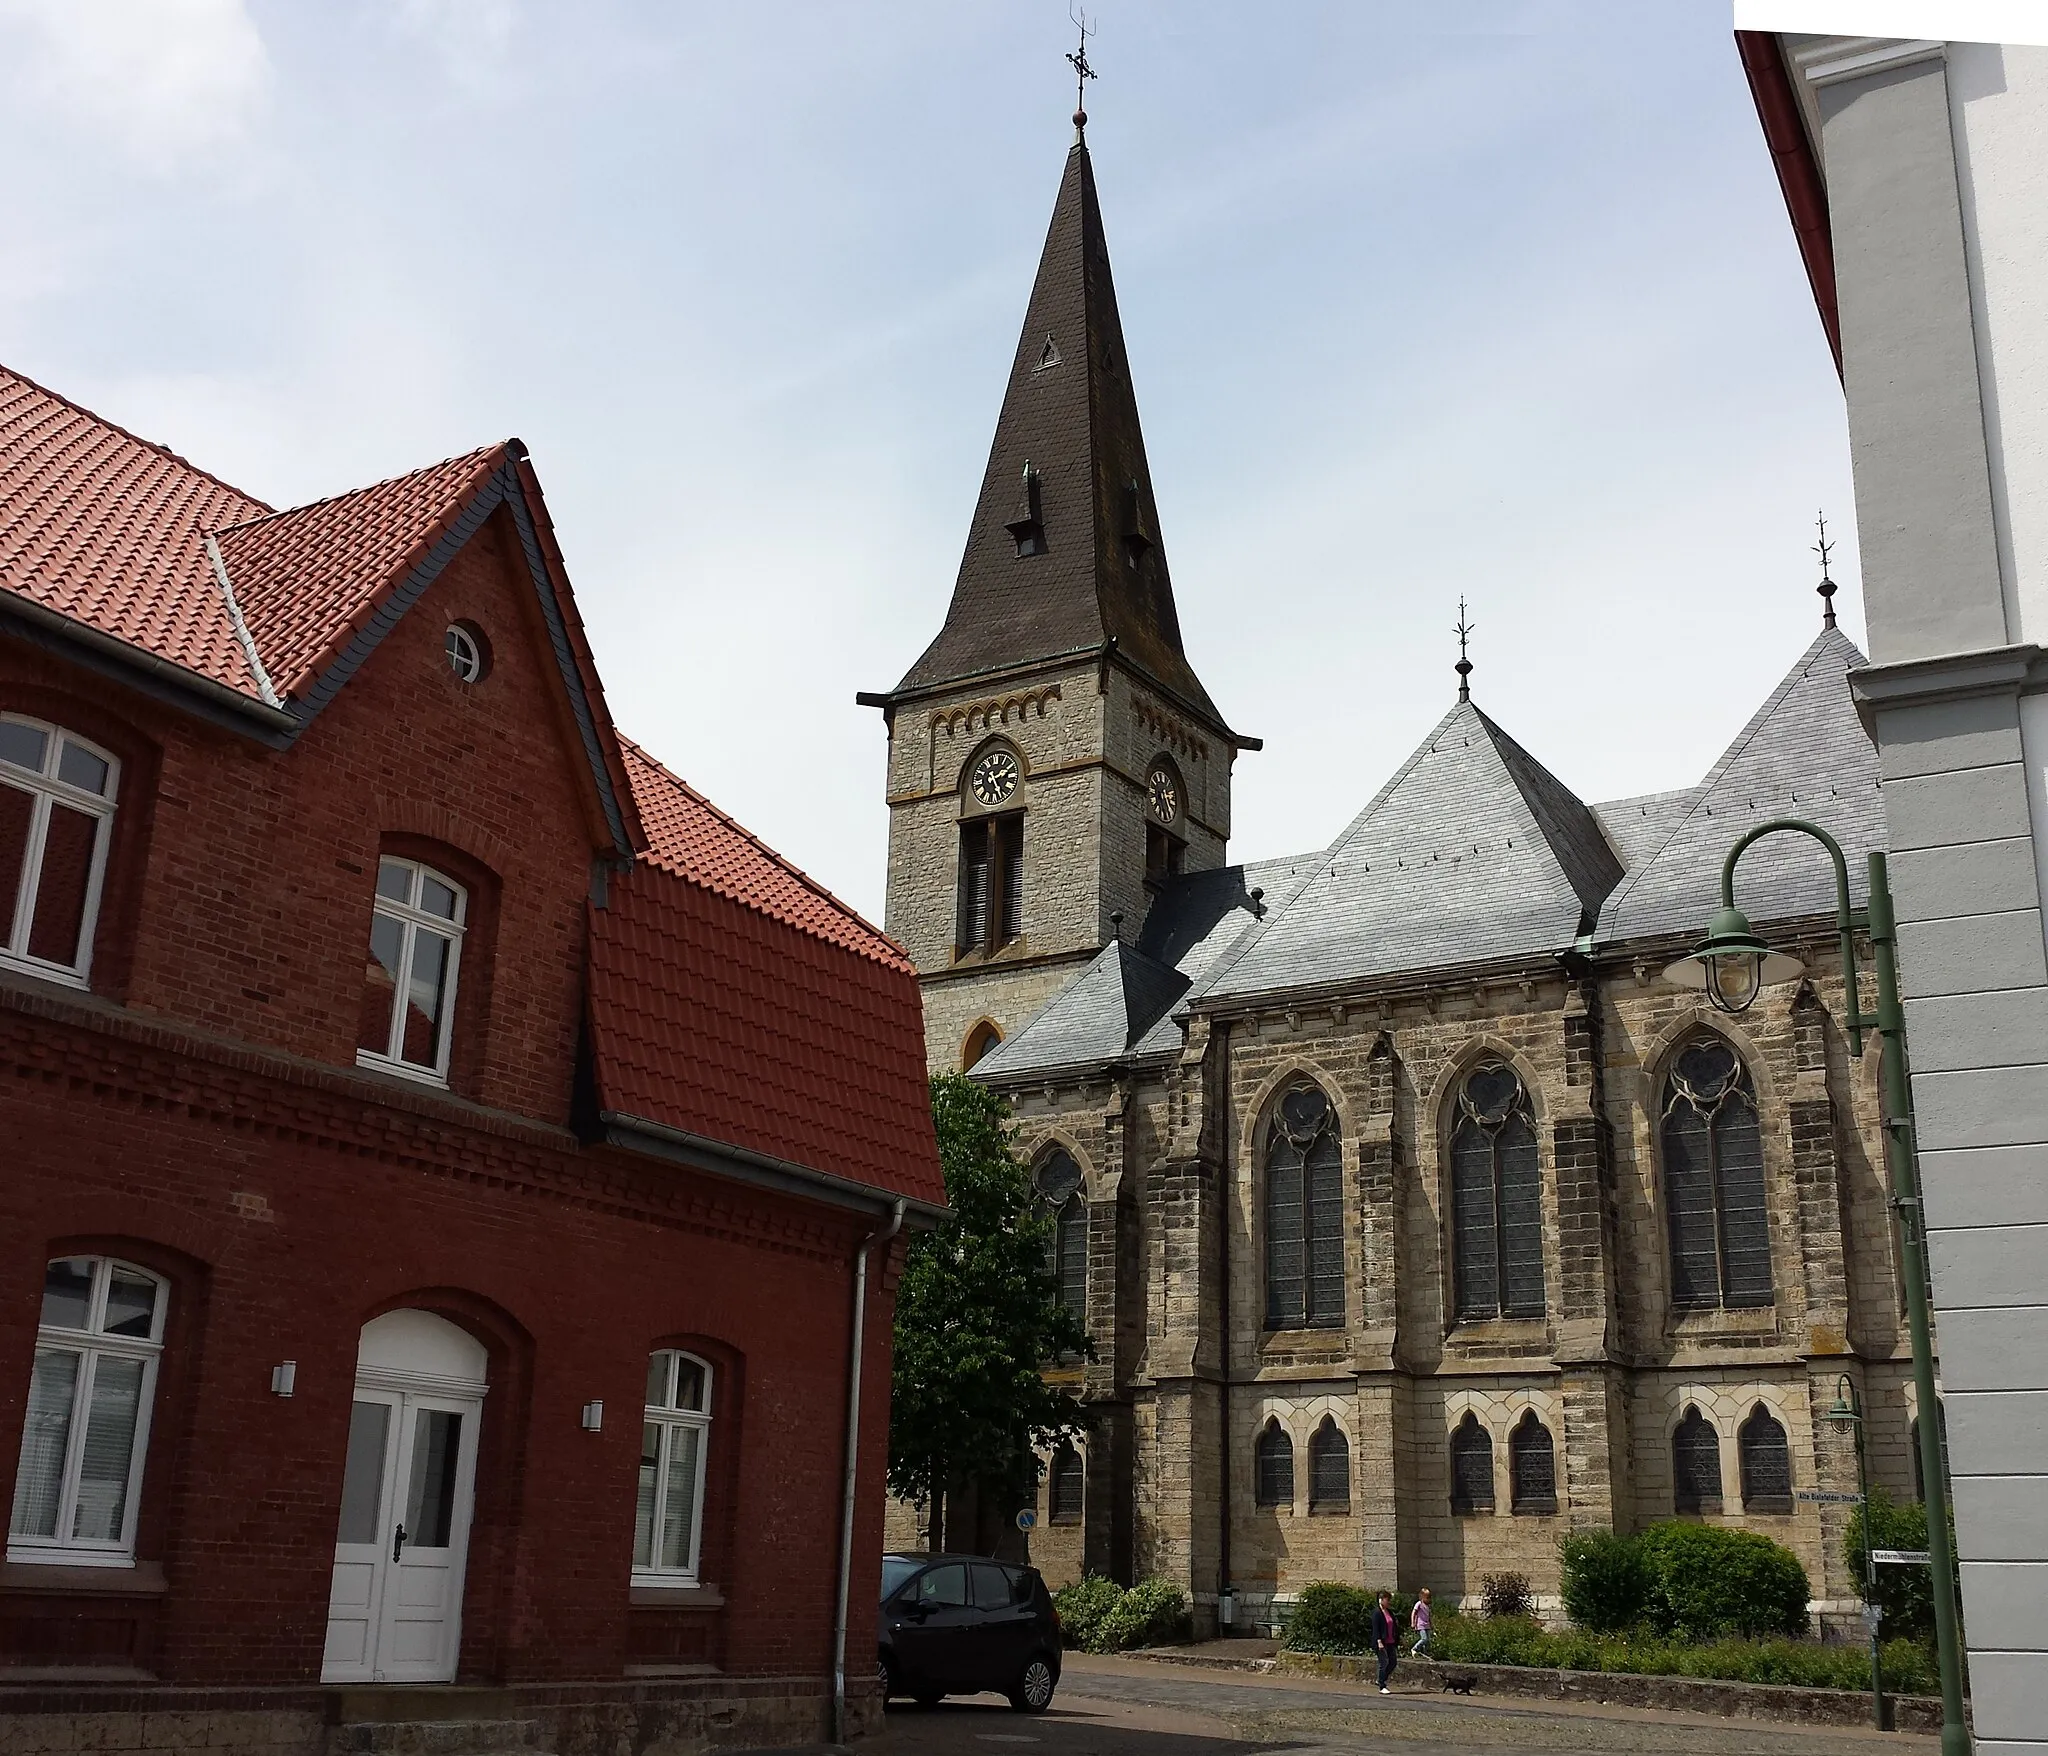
{"x":1053,"y":758}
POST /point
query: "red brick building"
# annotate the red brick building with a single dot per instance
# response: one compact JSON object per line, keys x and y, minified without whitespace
{"x":436,"y":1145}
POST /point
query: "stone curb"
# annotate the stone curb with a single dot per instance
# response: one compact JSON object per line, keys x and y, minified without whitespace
{"x":1783,"y":1702}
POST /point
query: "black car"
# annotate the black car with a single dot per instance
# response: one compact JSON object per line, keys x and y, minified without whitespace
{"x":959,"y":1624}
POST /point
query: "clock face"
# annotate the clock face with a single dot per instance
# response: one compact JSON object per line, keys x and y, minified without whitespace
{"x":994,"y":778}
{"x":1162,"y":793}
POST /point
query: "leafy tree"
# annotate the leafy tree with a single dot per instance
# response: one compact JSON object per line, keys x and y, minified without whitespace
{"x":1607,"y":1580}
{"x":978,"y":1313}
{"x":1905,"y":1594}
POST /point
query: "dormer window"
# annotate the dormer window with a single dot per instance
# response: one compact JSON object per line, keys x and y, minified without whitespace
{"x":1137,"y":532}
{"x":416,"y":928}
{"x":1027,"y":529}
{"x":56,"y":815}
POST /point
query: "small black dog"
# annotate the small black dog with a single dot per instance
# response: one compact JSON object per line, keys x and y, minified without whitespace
{"x":1459,"y":1683}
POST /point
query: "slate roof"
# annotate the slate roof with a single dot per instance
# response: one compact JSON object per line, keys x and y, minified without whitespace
{"x":1803,"y":754}
{"x":1123,"y":1003}
{"x":733,"y":998}
{"x":1070,"y":412}
{"x":730,"y":997}
{"x":1473,"y":851}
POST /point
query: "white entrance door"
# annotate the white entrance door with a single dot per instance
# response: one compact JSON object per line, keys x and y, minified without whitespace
{"x":395,"y":1605}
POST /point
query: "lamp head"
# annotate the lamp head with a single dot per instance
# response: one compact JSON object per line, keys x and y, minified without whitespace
{"x":1731,"y":964}
{"x":1845,"y":1408}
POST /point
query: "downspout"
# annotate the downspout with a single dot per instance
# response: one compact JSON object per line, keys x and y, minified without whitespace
{"x":860,"y":1325}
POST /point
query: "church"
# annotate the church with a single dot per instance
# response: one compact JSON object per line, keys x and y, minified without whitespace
{"x":1415,"y":1219}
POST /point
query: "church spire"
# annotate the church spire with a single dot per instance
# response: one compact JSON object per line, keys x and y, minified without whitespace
{"x":1064,"y":556}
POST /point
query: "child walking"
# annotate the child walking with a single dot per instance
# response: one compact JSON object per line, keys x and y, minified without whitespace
{"x":1418,"y":1619}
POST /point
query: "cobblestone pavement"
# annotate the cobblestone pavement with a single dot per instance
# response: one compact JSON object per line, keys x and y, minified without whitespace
{"x":1130,"y":1707}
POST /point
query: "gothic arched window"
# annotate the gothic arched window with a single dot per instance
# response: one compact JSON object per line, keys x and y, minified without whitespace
{"x":1471,"y":1466}
{"x":1532,"y":1465}
{"x":1496,"y":1198}
{"x":1273,"y":1471}
{"x":1058,"y":1180}
{"x":1695,"y":1464}
{"x":1329,"y":1468}
{"x":1714,"y":1180}
{"x":990,"y":909}
{"x":1304,"y":1212}
{"x":1065,"y":1480}
{"x":1766,"y":1463}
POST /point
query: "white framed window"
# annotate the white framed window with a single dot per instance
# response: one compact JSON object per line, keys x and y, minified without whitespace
{"x":409,"y":981}
{"x":675,"y":1432}
{"x":87,"y":1427}
{"x":56,"y":817}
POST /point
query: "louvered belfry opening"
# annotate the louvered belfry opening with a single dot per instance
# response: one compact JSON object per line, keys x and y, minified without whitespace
{"x":1532,"y":1465}
{"x":1496,"y":1198}
{"x":1064,"y":1489}
{"x":1766,"y":1464}
{"x":991,"y":908}
{"x":1695,"y":1465}
{"x":1714,"y":1192}
{"x":1471,"y":1466}
{"x":1329,"y":1468}
{"x":1273,"y":1467}
{"x":1304,"y":1171}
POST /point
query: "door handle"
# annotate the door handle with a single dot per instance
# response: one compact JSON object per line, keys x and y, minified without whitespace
{"x":397,"y":1542}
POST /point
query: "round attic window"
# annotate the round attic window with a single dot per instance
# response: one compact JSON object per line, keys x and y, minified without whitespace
{"x":469,"y":653}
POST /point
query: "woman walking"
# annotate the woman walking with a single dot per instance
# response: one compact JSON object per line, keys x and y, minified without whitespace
{"x":1386,"y":1638}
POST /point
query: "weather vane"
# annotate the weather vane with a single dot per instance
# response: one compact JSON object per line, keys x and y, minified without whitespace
{"x":1464,"y":665}
{"x":1083,"y":73}
{"x":1826,"y":588}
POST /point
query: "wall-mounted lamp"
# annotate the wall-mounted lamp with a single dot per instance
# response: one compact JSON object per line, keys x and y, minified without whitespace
{"x":593,"y":1417}
{"x":283,"y":1377}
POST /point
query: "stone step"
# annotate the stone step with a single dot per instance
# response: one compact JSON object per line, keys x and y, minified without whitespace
{"x":438,"y":1737}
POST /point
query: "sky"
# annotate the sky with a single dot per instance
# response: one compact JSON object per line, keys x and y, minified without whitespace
{"x":1509,"y":311}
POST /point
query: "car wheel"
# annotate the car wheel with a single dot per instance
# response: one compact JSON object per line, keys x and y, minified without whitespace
{"x":1033,"y":1693}
{"x":887,"y":1678}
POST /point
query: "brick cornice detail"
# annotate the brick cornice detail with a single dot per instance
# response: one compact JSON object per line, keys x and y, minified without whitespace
{"x":94,"y":1049}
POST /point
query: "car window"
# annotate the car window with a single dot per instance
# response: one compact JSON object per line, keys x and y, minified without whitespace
{"x":992,"y":1587}
{"x":944,"y":1587}
{"x":895,"y":1574}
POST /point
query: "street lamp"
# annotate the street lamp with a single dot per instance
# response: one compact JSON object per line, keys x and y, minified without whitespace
{"x":1848,"y":1410}
{"x":1733,"y":965}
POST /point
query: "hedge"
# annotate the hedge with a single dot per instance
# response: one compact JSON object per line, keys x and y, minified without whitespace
{"x":1098,"y":1615}
{"x":1696,"y":1581}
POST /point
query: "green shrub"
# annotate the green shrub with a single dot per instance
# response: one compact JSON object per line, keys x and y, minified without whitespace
{"x":1708,"y":1581}
{"x":1606,"y":1580}
{"x":1331,"y":1618}
{"x":1098,"y":1615}
{"x":1904,"y":1594}
{"x":1506,"y":1594}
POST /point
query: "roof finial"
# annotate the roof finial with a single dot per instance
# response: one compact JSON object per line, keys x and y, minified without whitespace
{"x":1464,"y":665}
{"x":1078,"y":60}
{"x":1826,"y":588}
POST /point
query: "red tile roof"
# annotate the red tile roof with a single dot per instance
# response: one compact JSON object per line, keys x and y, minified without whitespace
{"x":733,"y":998}
{"x":306,"y":580}
{"x":109,"y":530}
{"x":730,"y":996}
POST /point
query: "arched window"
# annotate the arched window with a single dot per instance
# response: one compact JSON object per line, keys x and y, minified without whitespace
{"x":675,"y":1433}
{"x":409,"y":981}
{"x":1714,"y":1180}
{"x":86,"y":1431}
{"x":1065,"y":1481}
{"x":982,"y":1038}
{"x":1057,"y":1178}
{"x":1695,"y":1464}
{"x":1766,"y":1464}
{"x":1496,"y":1197}
{"x":1471,"y":1466}
{"x":1532,"y":1466}
{"x":990,"y":910}
{"x":1304,"y":1212}
{"x":56,"y":814}
{"x":1165,"y":805}
{"x":1329,"y":1468}
{"x":1273,"y":1472}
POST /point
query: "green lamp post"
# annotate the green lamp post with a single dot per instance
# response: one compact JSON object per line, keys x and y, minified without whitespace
{"x":1733,"y":966}
{"x":1848,"y":1410}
